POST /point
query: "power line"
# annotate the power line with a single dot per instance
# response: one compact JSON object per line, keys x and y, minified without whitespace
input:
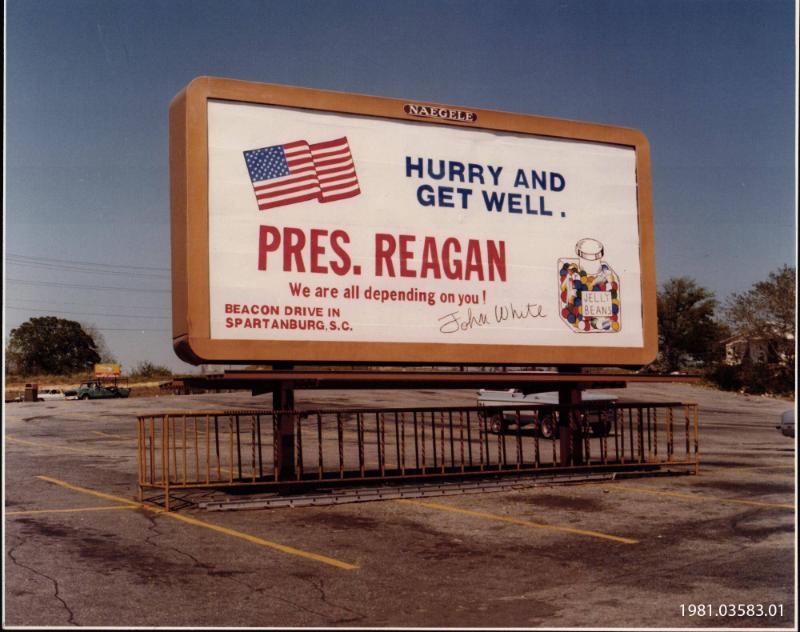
{"x":85,"y":287}
{"x":66,"y":267}
{"x":83,"y":303}
{"x":141,"y":330}
{"x":86,"y":263}
{"x":61,"y":311}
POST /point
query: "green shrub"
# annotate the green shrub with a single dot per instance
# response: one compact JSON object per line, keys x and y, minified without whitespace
{"x":751,"y":377}
{"x":148,"y":369}
{"x":725,"y":376}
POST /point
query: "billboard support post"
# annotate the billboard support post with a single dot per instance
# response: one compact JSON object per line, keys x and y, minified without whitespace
{"x":570,"y":443}
{"x":283,"y":400}
{"x":282,"y":382}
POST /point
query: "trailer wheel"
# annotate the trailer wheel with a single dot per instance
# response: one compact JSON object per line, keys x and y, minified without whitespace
{"x":601,"y":429}
{"x":497,"y":423}
{"x":548,"y":427}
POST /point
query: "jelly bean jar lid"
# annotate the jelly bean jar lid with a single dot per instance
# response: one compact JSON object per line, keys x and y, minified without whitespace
{"x":589,"y":249}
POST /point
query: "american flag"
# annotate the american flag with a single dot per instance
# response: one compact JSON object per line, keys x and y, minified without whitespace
{"x":297,"y":172}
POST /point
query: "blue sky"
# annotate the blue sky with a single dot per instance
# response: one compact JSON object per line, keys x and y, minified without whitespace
{"x":88,"y":85}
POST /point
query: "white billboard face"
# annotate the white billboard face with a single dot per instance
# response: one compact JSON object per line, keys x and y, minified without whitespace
{"x":336,"y":227}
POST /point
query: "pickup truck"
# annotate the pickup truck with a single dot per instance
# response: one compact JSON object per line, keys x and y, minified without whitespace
{"x":95,"y":389}
{"x":546,"y":424}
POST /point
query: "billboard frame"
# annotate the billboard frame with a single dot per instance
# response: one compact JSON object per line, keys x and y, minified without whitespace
{"x":189,"y":201}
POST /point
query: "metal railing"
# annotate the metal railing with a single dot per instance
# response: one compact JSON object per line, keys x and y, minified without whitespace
{"x":256,"y":447}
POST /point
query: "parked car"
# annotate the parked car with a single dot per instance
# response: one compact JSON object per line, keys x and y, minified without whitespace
{"x":787,"y":423}
{"x":95,"y":389}
{"x":546,"y":424}
{"x":48,"y":394}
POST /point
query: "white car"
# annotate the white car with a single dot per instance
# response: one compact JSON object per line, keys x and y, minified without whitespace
{"x":600,"y":422}
{"x":787,"y":423}
{"x":47,"y":394}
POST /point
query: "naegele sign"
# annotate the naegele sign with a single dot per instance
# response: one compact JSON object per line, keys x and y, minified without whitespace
{"x":312,"y":226}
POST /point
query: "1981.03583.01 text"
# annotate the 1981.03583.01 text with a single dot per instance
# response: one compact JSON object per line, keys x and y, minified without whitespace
{"x":732,"y":610}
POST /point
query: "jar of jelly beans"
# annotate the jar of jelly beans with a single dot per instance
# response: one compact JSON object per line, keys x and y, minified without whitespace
{"x":589,"y":290}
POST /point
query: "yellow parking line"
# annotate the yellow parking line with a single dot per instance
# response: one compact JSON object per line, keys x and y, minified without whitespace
{"x":699,"y":498}
{"x":208,"y":525}
{"x":49,"y":446}
{"x":273,"y":545}
{"x":517,"y":521}
{"x":113,"y":436}
{"x":92,"y":492}
{"x":76,"y":509}
{"x":748,"y":469}
{"x":757,"y":467}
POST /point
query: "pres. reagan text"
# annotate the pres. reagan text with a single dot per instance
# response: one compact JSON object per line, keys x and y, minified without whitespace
{"x":321,"y":251}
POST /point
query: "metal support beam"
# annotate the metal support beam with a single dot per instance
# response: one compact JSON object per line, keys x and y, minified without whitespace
{"x":570,"y":439}
{"x":283,"y":399}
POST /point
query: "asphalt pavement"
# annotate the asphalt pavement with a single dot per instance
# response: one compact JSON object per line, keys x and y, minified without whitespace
{"x":716,"y":549}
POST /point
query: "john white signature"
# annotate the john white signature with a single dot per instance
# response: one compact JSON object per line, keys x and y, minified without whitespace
{"x":465,"y":321}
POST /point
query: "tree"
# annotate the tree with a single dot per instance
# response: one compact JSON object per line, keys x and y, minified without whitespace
{"x":48,"y":344}
{"x":767,"y":311}
{"x":686,"y":326}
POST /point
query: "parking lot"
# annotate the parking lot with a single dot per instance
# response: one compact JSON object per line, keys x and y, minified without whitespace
{"x":633,"y":552}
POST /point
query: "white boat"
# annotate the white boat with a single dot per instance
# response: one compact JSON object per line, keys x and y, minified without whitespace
{"x":544,"y":421}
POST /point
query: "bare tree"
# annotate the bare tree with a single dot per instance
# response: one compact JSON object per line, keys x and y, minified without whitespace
{"x":100,"y":343}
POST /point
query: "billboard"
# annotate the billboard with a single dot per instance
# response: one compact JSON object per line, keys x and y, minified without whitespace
{"x":107,"y":371}
{"x":313,"y":226}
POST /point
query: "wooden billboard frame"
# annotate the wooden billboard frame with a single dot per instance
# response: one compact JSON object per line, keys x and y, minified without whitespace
{"x":188,"y":157}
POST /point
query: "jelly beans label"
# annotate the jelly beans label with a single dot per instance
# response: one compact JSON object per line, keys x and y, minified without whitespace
{"x":589,"y":301}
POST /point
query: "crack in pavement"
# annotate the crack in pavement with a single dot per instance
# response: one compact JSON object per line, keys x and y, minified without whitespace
{"x":152,"y":520}
{"x":56,"y":594}
{"x":209,"y":570}
{"x":677,"y":570}
{"x":321,"y":589}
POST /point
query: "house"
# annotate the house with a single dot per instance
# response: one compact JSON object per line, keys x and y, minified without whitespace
{"x":756,"y":348}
